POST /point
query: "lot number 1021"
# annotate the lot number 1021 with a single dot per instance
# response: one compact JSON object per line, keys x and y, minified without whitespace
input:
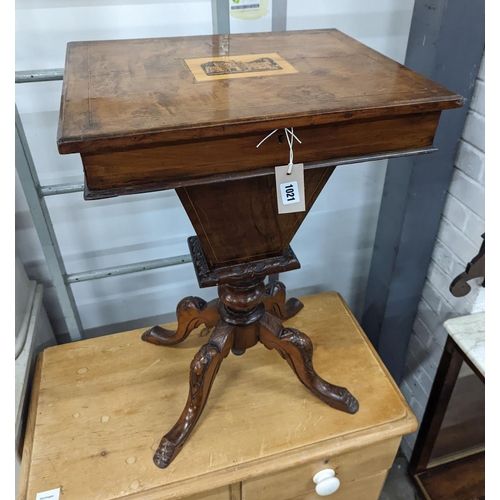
{"x":289,"y":192}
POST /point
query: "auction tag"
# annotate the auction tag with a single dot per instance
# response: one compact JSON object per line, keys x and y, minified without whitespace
{"x":243,"y":5}
{"x":290,"y":189}
{"x":49,"y":495}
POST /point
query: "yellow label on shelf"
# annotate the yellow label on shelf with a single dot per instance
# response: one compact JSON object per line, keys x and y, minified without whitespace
{"x":248,"y":9}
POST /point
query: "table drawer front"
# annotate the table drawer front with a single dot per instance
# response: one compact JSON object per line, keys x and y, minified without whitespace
{"x":183,"y":162}
{"x":223,"y":493}
{"x":350,"y":468}
{"x":368,"y":488}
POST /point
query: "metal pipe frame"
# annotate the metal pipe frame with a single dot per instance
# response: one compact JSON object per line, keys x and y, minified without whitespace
{"x":41,"y":217}
{"x":39,"y":75}
{"x":127,"y":269}
{"x":60,"y":189}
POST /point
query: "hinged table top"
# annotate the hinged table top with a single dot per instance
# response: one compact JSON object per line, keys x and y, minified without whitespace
{"x":125,"y":94}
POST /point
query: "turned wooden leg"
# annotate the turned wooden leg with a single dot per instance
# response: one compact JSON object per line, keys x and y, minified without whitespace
{"x":204,"y":368}
{"x":191,"y":313}
{"x":296,"y":348}
{"x":275,"y":301}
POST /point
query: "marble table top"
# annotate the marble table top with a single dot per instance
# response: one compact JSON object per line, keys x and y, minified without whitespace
{"x":468,"y":333}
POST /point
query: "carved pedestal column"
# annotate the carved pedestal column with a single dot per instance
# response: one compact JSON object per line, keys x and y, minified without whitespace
{"x":247,"y":312}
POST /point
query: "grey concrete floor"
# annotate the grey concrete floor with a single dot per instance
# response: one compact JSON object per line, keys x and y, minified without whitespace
{"x":398,"y":485}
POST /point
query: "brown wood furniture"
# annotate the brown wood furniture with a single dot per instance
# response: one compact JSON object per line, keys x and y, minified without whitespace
{"x":476,"y":268}
{"x":99,"y":406}
{"x":188,"y":113}
{"x":448,"y":460}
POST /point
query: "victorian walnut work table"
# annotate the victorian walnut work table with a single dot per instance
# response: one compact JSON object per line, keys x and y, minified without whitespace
{"x":188,"y":113}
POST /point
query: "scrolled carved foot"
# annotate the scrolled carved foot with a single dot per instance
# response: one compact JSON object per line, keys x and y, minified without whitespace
{"x":348,"y":401}
{"x":165,"y":453}
{"x":203,"y":370}
{"x":275,"y":301}
{"x":191,"y":313}
{"x":296,"y":349}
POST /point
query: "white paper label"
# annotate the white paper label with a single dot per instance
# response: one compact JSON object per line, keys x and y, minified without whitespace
{"x":290,"y":189}
{"x":243,"y":5}
{"x":49,"y":495}
{"x":289,"y":192}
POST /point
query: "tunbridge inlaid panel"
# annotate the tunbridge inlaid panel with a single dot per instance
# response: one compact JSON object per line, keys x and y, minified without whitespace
{"x":206,"y":69}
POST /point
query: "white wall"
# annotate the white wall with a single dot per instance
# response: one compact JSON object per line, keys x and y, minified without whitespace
{"x":458,"y":242}
{"x":335,"y":242}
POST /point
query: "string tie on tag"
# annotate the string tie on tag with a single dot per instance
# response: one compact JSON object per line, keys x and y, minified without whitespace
{"x":290,"y":136}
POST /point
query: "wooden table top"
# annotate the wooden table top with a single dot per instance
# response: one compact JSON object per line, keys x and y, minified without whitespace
{"x":127,"y":94}
{"x":100,"y":406}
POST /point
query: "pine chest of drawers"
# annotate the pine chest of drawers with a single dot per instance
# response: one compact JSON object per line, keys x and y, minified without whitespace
{"x":99,"y":406}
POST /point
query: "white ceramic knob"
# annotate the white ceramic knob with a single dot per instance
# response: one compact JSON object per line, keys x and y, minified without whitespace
{"x":326,"y":482}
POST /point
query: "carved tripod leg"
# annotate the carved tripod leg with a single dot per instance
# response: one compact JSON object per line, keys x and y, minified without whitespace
{"x":296,"y":348}
{"x":275,"y":301}
{"x":191,"y":313}
{"x":204,"y":368}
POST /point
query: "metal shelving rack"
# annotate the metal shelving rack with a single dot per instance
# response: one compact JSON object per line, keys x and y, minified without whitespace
{"x":35,"y":197}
